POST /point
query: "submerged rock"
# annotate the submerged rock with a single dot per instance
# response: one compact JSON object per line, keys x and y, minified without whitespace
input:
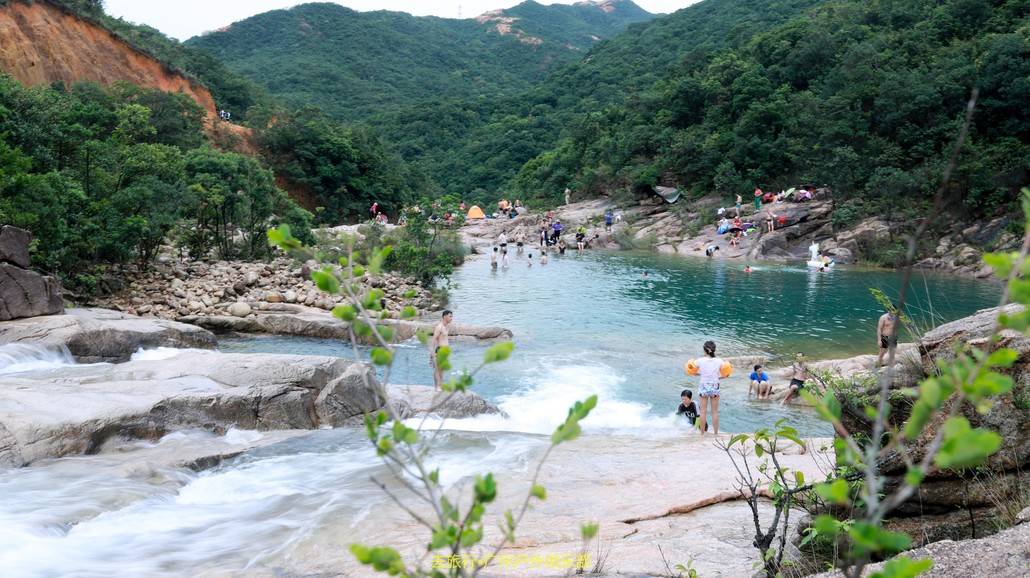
{"x":94,"y":335}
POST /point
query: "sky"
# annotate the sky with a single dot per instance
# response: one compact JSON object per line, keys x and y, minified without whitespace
{"x":183,"y":19}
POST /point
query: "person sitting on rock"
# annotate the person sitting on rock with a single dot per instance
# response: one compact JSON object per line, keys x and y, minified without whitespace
{"x":759,"y":383}
{"x":799,"y":375}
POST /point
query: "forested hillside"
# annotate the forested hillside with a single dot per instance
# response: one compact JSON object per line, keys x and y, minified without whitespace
{"x":355,"y":64}
{"x":866,"y":96}
{"x":477,"y":146}
{"x":103,"y":175}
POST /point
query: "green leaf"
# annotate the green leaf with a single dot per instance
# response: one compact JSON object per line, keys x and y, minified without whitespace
{"x":381,"y":558}
{"x":361,"y":329}
{"x":443,"y":358}
{"x":588,"y":530}
{"x":485,"y":488}
{"x":759,"y":450}
{"x":326,"y":281}
{"x":903,"y":567}
{"x":835,"y":492}
{"x":410,"y":294}
{"x":471,"y":537}
{"x":423,"y":336}
{"x":827,"y":525}
{"x":963,"y":446}
{"x":736,"y":439}
{"x":1004,"y":358}
{"x":381,"y":356}
{"x":867,"y":538}
{"x":799,"y":478}
{"x":988,"y":384}
{"x":345,"y":312}
{"x":434,"y":476}
{"x":538,"y":492}
{"x":1000,"y":262}
{"x":914,"y":477}
{"x":498,"y":352}
{"x":408,"y":312}
{"x":386,"y":332}
{"x":917,"y":420}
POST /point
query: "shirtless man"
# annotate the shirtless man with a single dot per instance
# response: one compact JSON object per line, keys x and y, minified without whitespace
{"x":885,"y":335}
{"x":441,"y":338}
{"x":799,"y":375}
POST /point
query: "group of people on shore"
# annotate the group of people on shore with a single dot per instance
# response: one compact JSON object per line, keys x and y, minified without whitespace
{"x":549,"y":239}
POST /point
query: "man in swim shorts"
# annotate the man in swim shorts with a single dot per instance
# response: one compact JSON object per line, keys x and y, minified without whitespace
{"x":799,"y":376}
{"x":441,"y":338}
{"x":885,"y":335}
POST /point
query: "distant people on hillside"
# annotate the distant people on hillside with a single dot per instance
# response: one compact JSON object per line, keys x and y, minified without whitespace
{"x":374,"y":209}
{"x":758,"y":199}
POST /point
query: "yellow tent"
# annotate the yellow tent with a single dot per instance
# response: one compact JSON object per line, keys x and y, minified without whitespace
{"x":475,"y":213}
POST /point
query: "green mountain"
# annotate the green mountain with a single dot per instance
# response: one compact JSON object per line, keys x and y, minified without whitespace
{"x":866,"y":96}
{"x":476,"y":146}
{"x":355,"y":64}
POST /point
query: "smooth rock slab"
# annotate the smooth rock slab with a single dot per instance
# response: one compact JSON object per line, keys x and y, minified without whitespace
{"x":95,"y":335}
{"x":74,"y":410}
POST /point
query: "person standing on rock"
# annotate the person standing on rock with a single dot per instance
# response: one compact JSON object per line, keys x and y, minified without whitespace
{"x":710,"y":369}
{"x":886,"y":336}
{"x":568,"y":196}
{"x":758,"y":199}
{"x":441,"y":338}
{"x":608,"y":220}
{"x":740,"y":200}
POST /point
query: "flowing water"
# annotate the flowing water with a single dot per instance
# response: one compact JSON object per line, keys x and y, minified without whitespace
{"x":583,"y":324}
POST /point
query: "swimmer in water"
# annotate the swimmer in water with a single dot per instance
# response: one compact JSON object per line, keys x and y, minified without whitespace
{"x":747,"y":268}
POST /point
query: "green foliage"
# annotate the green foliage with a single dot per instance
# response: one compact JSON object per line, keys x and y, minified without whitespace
{"x":105,"y":175}
{"x":394,"y":59}
{"x":342,"y":169}
{"x":847,"y":93}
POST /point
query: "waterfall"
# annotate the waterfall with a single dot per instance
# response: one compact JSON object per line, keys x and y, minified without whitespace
{"x":20,"y":357}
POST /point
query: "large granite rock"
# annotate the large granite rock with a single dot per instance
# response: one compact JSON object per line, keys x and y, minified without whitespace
{"x":94,"y":335}
{"x":14,"y":246}
{"x":299,"y":320}
{"x":419,"y":400}
{"x":952,"y":504}
{"x":1003,"y":555}
{"x":75,"y":409}
{"x":24,"y":293}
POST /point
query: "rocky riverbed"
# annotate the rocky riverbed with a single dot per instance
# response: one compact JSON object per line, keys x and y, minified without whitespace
{"x":173,"y":290}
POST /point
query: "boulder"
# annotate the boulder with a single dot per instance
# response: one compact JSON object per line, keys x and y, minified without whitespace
{"x":41,"y":416}
{"x":1003,"y":555}
{"x":14,"y":246}
{"x":25,"y":293}
{"x":418,"y":400}
{"x":101,"y":335}
{"x":239,"y":309}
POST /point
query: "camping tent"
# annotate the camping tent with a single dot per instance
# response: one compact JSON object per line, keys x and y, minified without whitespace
{"x":475,"y":213}
{"x":670,"y":194}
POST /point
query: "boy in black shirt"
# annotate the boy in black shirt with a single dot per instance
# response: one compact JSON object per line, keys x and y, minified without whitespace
{"x":687,"y":406}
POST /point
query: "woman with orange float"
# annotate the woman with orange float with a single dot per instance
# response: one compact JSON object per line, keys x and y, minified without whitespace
{"x":710,"y":369}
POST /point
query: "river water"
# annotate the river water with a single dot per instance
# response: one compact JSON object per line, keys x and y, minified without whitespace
{"x":583,"y":325}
